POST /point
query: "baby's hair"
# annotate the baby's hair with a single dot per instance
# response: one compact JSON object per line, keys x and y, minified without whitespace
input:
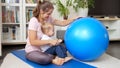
{"x":46,"y":27}
{"x":44,"y":5}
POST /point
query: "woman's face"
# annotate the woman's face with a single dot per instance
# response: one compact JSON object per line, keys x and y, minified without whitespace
{"x":46,"y":15}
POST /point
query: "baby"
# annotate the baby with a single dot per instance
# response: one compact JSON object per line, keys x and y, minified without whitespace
{"x":59,"y":51}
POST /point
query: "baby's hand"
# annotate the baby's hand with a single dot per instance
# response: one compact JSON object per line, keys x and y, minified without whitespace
{"x":59,"y":40}
{"x":53,"y":42}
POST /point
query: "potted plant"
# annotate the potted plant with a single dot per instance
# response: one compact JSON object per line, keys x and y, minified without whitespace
{"x":81,"y":5}
{"x":62,"y":9}
{"x":76,"y":4}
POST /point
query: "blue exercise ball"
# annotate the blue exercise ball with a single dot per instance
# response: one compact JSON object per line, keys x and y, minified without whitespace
{"x":86,"y":39}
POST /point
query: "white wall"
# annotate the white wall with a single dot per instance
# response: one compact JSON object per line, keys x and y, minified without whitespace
{"x":56,"y":15}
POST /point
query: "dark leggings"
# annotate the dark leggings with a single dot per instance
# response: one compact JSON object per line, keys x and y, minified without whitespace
{"x":39,"y":57}
{"x":47,"y":56}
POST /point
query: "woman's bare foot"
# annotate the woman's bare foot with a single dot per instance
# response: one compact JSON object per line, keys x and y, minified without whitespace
{"x":67,"y":59}
{"x":54,"y":61}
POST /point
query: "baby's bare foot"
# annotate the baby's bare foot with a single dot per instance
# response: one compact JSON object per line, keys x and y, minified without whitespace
{"x":67,"y":58}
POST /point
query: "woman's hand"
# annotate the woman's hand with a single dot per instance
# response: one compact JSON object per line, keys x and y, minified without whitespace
{"x":74,"y":18}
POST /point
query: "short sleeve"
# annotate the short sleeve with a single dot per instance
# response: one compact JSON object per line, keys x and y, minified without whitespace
{"x":33,"y":24}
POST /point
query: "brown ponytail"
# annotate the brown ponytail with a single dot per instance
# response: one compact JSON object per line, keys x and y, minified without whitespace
{"x":42,"y":5}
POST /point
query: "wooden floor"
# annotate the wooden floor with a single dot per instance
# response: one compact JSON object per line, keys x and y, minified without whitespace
{"x":113,"y":49}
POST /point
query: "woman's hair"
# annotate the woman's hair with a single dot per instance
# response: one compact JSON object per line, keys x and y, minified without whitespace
{"x":43,"y":5}
{"x":46,"y":27}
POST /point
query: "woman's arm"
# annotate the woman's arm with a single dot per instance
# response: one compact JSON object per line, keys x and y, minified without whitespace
{"x":37,"y":42}
{"x":64,"y":22}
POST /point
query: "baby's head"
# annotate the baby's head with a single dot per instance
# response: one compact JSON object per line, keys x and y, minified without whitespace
{"x":48,"y":29}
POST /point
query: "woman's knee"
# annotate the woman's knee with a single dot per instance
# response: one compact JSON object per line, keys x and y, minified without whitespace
{"x":41,"y":58}
{"x":46,"y":60}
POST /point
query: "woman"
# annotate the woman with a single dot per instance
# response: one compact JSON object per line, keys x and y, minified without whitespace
{"x":42,"y":14}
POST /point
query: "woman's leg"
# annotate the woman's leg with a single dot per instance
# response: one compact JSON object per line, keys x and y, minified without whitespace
{"x":40,"y":57}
